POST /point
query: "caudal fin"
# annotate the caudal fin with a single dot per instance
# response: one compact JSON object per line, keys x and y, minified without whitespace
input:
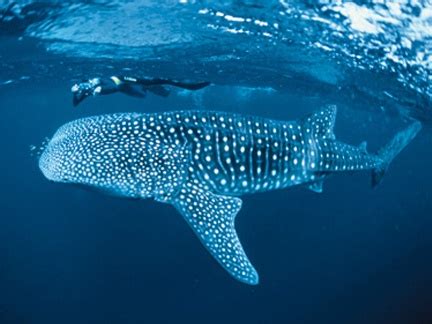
{"x":393,"y":148}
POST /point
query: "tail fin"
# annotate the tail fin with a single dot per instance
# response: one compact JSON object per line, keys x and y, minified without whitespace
{"x":393,"y":148}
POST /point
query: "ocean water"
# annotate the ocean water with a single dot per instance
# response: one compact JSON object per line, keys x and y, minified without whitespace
{"x":351,"y":254}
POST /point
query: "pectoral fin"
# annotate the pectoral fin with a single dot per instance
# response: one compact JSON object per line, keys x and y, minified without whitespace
{"x":212,"y":217}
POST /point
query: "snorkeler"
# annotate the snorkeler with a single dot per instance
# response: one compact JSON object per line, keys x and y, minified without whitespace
{"x":130,"y":86}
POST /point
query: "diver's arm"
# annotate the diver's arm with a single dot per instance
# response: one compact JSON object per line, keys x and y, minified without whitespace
{"x":92,"y":87}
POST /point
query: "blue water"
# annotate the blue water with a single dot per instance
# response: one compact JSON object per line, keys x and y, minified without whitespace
{"x":348,"y":255}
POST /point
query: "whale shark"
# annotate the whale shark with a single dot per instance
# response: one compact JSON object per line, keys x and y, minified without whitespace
{"x":202,"y":162}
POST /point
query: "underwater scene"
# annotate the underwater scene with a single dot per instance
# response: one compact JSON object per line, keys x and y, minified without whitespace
{"x":233,"y":161}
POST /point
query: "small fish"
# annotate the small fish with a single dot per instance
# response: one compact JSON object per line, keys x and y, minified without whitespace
{"x":201,"y":163}
{"x":36,"y":150}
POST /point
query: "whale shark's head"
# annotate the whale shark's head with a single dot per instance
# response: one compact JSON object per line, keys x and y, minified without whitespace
{"x":101,"y":152}
{"x":71,"y":154}
{"x":61,"y":159}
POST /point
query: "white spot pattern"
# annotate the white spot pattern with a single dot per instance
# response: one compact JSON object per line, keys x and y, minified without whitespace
{"x":196,"y":160}
{"x":212,"y":218}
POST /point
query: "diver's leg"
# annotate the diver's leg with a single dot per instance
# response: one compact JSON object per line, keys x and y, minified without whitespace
{"x":147,"y":82}
{"x":130,"y":90}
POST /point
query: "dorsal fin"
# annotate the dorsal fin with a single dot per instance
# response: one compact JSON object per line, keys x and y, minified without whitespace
{"x":321,"y":122}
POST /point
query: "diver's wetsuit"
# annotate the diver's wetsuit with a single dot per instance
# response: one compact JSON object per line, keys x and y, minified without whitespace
{"x":128,"y":85}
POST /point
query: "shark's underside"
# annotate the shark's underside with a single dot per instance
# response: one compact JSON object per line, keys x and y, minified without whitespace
{"x":201,"y":162}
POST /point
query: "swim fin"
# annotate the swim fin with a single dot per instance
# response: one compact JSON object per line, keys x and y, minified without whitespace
{"x":192,"y":86}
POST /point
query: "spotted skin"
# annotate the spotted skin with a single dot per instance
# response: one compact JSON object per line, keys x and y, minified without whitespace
{"x":201,"y":162}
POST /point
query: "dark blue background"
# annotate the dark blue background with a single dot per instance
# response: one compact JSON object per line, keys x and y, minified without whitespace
{"x":348,"y":255}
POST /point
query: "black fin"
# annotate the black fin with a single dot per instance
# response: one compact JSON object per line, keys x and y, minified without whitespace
{"x":190,"y":86}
